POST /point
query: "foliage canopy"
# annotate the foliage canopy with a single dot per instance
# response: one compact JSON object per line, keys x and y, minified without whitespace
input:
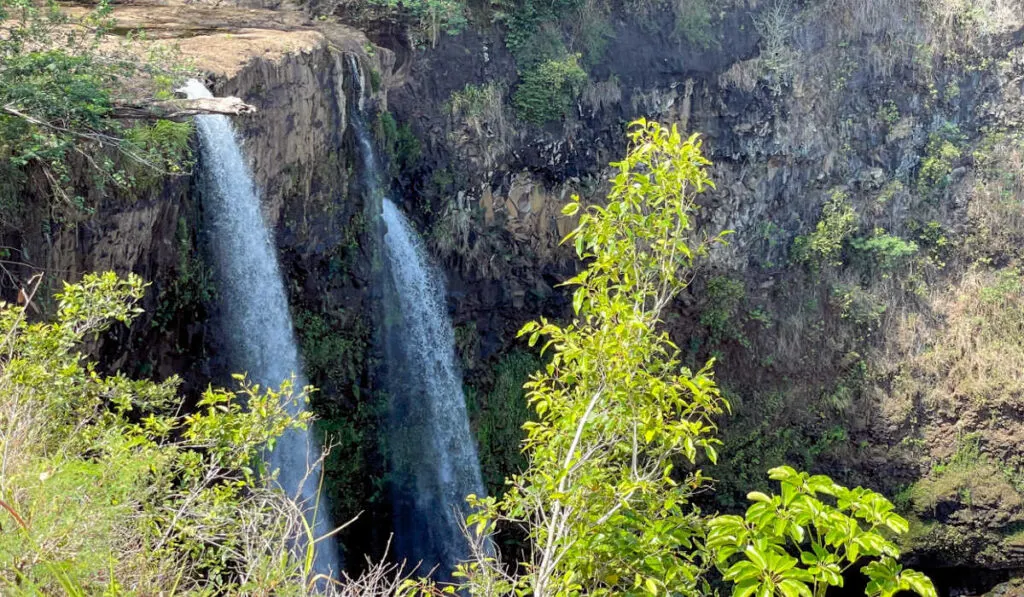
{"x":108,"y":488}
{"x":59,"y":82}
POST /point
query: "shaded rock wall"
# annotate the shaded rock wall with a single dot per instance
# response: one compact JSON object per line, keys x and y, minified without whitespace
{"x":849,"y":103}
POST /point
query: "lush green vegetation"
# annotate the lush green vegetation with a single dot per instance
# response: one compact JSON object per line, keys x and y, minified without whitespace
{"x":547,"y":90}
{"x":186,"y":298}
{"x":498,"y":410}
{"x":828,"y":527}
{"x":108,"y":487}
{"x":335,"y":349}
{"x":724,"y":295}
{"x":824,"y":246}
{"x":621,"y":427}
{"x":941,"y":154}
{"x":399,"y":143}
{"x":59,"y":84}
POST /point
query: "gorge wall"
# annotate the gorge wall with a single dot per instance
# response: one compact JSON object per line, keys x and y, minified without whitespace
{"x":866,"y":310}
{"x":867,"y":314}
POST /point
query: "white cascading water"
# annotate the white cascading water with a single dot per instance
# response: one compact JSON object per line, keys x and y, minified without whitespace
{"x":440,"y":465}
{"x":255,"y":310}
{"x":433,"y":456}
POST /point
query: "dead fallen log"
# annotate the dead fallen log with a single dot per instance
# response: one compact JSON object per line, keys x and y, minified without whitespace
{"x":180,"y":109}
{"x":175,"y":109}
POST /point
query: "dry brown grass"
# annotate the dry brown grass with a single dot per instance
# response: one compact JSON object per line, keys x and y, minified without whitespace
{"x":996,"y":207}
{"x":958,"y":366}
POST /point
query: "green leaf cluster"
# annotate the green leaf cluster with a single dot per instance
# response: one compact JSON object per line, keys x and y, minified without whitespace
{"x":824,"y":245}
{"x":885,"y":252}
{"x":108,"y":487}
{"x":800,"y":542}
{"x":942,"y":151}
{"x":399,"y":142}
{"x":547,"y":91}
{"x":604,"y":499}
{"x":721,"y":315}
{"x":550,"y":76}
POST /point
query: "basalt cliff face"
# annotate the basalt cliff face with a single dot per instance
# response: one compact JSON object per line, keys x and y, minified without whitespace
{"x":866,"y":315}
{"x":872,"y":128}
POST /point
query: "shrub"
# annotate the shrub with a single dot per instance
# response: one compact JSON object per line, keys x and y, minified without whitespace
{"x":477,"y":105}
{"x":824,"y":246}
{"x":108,"y":487}
{"x":884,"y":252}
{"x":724,"y":296}
{"x":474,"y":100}
{"x":942,"y":151}
{"x":888,"y":113}
{"x":185,"y":299}
{"x":857,"y":306}
{"x":693,"y":21}
{"x":532,"y":28}
{"x":500,"y":410}
{"x":334,"y":349}
{"x":937,"y":165}
{"x":160,"y":149}
{"x":801,"y":542}
{"x":399,"y":142}
{"x":595,"y":31}
{"x":546,"y":92}
{"x":777,"y":58}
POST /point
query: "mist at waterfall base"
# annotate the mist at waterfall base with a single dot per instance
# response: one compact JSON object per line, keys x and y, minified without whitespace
{"x":254,"y":310}
{"x":433,"y":458}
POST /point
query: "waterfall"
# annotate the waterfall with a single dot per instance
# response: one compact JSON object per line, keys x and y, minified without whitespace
{"x":357,"y":73}
{"x":433,"y":457}
{"x":255,"y":309}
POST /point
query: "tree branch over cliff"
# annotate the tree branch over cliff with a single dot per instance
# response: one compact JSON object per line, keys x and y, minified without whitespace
{"x":181,"y":109}
{"x":82,"y":113}
{"x":175,"y":109}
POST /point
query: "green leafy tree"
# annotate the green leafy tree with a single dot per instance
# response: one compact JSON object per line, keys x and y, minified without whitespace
{"x":801,"y":542}
{"x":602,"y":501}
{"x":613,"y":454}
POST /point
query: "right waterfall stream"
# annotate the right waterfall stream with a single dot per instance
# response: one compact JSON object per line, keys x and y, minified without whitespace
{"x":432,"y":453}
{"x":434,"y":459}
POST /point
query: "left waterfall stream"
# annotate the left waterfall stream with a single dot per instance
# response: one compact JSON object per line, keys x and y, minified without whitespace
{"x":254,"y":313}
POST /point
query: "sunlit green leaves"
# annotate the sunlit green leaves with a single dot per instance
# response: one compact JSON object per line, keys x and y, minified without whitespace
{"x":121,"y":488}
{"x":802,"y":541}
{"x":605,"y":498}
{"x":889,"y":578}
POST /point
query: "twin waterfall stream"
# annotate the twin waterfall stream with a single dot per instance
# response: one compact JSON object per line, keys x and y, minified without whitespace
{"x":254,"y":309}
{"x":432,"y":456}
